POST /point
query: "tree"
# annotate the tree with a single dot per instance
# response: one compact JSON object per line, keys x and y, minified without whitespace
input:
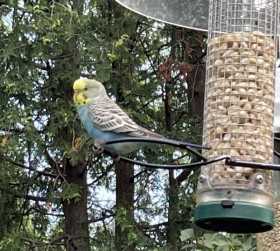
{"x":37,"y":91}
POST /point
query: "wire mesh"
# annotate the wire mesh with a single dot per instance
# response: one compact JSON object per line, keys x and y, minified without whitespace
{"x":242,"y":16}
{"x":239,"y":100}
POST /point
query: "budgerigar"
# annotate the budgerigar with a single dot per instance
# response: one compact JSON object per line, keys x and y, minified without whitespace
{"x":104,"y":120}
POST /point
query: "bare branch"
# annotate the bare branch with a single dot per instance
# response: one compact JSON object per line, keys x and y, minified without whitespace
{"x":104,"y":217}
{"x":183,"y":176}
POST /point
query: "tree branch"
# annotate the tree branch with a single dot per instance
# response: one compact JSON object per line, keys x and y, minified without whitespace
{"x":27,"y":197}
{"x":183,"y":176}
{"x":47,"y":174}
{"x":104,"y":217}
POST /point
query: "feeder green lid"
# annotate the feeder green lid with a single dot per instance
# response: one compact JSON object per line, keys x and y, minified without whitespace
{"x":233,"y":217}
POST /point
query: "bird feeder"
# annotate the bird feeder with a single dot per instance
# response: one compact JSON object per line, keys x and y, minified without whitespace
{"x":238,"y":116}
{"x":239,"y":104}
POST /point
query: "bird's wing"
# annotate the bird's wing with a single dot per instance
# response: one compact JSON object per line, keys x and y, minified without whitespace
{"x":108,"y":116}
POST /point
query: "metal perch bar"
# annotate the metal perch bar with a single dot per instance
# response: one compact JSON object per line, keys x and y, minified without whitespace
{"x":254,"y":165}
{"x":185,"y":145}
{"x":180,"y":144}
{"x":193,"y":165}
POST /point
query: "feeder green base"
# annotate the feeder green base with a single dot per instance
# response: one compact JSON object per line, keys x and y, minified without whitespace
{"x":233,"y":217}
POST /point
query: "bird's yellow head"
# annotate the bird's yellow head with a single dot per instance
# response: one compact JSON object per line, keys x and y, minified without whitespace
{"x":87,"y":90}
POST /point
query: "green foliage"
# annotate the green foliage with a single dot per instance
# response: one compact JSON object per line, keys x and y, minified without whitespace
{"x":11,"y":242}
{"x":71,"y":192}
{"x":216,"y":241}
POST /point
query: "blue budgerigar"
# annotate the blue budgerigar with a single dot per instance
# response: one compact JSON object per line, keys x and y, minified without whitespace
{"x":104,"y":120}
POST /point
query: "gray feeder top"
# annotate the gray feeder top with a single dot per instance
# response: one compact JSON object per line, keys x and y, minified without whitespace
{"x":191,"y":14}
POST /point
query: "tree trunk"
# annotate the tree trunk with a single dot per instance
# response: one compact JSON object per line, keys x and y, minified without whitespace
{"x":66,"y":71}
{"x":172,"y":227}
{"x":196,"y":95}
{"x":124,"y":207}
{"x":75,"y":211}
{"x":124,"y":221}
{"x":196,"y":81}
{"x":173,"y":199}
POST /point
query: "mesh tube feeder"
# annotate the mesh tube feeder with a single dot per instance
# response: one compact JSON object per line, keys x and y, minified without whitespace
{"x":238,"y":116}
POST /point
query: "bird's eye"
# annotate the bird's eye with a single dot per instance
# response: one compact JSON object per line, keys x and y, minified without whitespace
{"x":86,"y":88}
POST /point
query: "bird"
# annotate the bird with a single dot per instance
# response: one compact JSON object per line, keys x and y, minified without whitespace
{"x":104,"y":120}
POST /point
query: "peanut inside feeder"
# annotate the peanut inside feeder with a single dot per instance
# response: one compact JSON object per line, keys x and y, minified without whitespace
{"x":239,"y":107}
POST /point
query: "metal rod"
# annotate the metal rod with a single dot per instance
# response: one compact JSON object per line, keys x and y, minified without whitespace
{"x":255,"y":165}
{"x":228,"y":161}
{"x":180,"y":144}
{"x":277,"y":154}
{"x":174,"y":167}
{"x":164,"y":141}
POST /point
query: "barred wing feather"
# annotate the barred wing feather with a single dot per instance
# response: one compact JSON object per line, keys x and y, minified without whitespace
{"x":108,"y":116}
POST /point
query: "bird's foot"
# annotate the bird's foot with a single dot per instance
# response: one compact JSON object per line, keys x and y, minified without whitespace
{"x":98,"y":147}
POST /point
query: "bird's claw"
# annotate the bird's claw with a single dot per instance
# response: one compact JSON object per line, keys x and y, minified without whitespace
{"x":98,"y":147}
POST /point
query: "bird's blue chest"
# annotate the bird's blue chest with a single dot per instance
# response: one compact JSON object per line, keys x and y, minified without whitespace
{"x":90,"y":128}
{"x":103,"y":136}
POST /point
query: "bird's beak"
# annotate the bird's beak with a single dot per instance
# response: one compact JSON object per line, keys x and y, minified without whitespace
{"x":78,"y":86}
{"x":79,"y":98}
